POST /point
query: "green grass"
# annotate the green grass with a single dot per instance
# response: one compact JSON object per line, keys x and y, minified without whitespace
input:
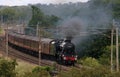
{"x":23,"y":67}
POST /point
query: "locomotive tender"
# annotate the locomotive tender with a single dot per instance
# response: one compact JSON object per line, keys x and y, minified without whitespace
{"x":63,"y":50}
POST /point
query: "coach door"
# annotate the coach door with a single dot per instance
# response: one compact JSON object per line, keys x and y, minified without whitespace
{"x":45,"y":48}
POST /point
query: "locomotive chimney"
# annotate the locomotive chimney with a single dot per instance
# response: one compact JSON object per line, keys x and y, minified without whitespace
{"x":68,"y":39}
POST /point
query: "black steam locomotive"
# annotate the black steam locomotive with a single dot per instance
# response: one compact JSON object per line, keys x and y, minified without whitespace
{"x":65,"y":51}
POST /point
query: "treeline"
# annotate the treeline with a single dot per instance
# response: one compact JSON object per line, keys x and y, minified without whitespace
{"x":15,"y":14}
{"x":87,"y":11}
{"x":113,"y":5}
{"x":29,"y":15}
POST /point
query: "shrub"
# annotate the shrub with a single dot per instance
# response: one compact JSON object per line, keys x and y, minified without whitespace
{"x":91,"y":62}
{"x":89,"y":72}
{"x":41,"y":73}
{"x":38,"y":72}
{"x":7,"y":68}
{"x":46,"y":68}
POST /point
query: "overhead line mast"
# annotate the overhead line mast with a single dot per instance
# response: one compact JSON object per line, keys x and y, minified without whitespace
{"x":115,"y":28}
{"x":112,"y":32}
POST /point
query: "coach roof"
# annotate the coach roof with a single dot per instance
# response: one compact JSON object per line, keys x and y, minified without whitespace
{"x":34,"y":38}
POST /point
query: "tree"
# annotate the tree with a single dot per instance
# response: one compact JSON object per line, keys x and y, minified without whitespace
{"x":95,"y":44}
{"x":116,"y":9}
{"x":7,"y":68}
{"x":8,"y":14}
{"x":43,"y":20}
{"x":113,"y":5}
{"x":37,"y":16}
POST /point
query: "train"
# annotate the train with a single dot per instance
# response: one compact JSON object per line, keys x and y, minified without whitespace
{"x":63,"y":50}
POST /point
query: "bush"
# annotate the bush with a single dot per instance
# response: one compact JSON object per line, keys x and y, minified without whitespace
{"x":23,"y":67}
{"x":7,"y":68}
{"x":41,"y":73}
{"x":46,"y":68}
{"x":89,"y":72}
{"x":91,"y":62}
{"x":95,"y":72}
{"x":38,"y":72}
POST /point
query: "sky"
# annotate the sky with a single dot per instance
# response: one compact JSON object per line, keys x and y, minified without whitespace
{"x":26,"y":2}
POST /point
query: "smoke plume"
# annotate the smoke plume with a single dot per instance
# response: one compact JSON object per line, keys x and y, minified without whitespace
{"x":80,"y":18}
{"x":71,"y":27}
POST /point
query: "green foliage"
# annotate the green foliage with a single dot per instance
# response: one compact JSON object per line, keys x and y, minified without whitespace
{"x":21,"y":16}
{"x":46,"y":68}
{"x":100,"y":3}
{"x":8,"y":14}
{"x":105,"y":58}
{"x":42,"y":73}
{"x":38,"y":71}
{"x":23,"y":67}
{"x":37,"y":15}
{"x":72,"y":73}
{"x":116,"y":9}
{"x":14,"y":15}
{"x":114,"y":5}
{"x":43,"y":20}
{"x":95,"y":44}
{"x":7,"y":68}
{"x":95,"y":72}
{"x":89,"y":72}
{"x":45,"y":33}
{"x":91,"y":62}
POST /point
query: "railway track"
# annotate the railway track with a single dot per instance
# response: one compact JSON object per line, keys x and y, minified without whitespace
{"x":15,"y":54}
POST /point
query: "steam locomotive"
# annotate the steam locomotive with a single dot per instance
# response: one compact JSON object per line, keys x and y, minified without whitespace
{"x":62,"y":50}
{"x":65,"y":51}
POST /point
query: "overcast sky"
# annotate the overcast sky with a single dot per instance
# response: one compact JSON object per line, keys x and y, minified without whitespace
{"x":25,"y":2}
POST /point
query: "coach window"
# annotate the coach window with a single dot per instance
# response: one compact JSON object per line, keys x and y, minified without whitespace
{"x":32,"y":44}
{"x":25,"y":42}
{"x":18,"y":40}
{"x":36,"y":44}
{"x":44,"y":45}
